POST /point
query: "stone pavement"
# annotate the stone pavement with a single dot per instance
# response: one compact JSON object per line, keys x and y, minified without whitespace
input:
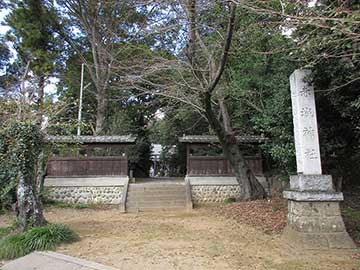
{"x":52,"y":261}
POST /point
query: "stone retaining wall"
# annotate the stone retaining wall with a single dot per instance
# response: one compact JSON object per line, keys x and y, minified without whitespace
{"x":88,"y":190}
{"x":215,"y":189}
{"x":87,"y":195}
{"x":214,"y":193}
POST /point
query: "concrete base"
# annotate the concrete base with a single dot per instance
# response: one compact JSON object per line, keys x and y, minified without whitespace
{"x":314,"y":217}
{"x":317,"y":241}
{"x":94,"y":181}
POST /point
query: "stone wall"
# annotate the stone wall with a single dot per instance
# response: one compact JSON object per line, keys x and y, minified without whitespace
{"x":88,"y":190}
{"x":87,"y":195}
{"x":213,"y":193}
{"x":214,"y":189}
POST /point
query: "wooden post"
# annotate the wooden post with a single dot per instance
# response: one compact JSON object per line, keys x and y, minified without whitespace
{"x":80,"y":100}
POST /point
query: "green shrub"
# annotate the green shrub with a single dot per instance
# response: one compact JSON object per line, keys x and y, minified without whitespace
{"x":229,"y":200}
{"x":6,"y":231}
{"x":13,"y":247}
{"x":38,"y":238}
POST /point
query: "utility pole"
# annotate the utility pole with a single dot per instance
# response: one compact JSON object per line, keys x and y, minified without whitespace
{"x":80,"y":99}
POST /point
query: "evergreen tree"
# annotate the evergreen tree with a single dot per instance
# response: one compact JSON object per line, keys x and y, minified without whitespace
{"x":35,"y":42}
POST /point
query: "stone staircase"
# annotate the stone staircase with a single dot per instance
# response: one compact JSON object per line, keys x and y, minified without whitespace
{"x":151,"y":197}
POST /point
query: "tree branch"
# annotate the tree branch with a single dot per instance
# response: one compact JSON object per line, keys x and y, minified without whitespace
{"x":226,"y":49}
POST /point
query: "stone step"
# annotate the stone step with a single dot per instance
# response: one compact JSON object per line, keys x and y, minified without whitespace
{"x":148,"y":202}
{"x":159,"y":179}
{"x":155,"y":197}
{"x":159,"y":190}
{"x":150,"y":188}
{"x":159,"y":197}
{"x":156,"y":204}
{"x":156,"y":192}
{"x":154,"y":209}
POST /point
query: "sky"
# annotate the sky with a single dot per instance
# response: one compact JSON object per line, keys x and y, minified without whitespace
{"x":3,"y":28}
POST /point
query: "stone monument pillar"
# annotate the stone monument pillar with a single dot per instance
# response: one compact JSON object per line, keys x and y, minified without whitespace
{"x":314,"y":218}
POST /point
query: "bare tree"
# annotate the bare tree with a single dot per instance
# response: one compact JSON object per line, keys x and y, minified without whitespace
{"x":109,"y":28}
{"x":194,"y":78}
{"x":90,"y":16}
{"x":220,"y":123}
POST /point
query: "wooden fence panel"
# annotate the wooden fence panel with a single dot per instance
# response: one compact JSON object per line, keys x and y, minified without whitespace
{"x":211,"y":165}
{"x":87,"y":166}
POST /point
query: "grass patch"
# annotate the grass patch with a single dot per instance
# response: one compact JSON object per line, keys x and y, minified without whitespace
{"x":38,"y":238}
{"x":82,"y":206}
{"x":229,"y":200}
{"x":68,"y":205}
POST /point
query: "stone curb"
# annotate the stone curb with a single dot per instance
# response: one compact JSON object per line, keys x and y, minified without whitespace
{"x":78,"y":261}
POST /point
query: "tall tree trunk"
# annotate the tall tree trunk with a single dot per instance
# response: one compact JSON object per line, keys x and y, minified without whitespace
{"x":249,"y":185}
{"x":29,"y":206}
{"x":101,"y":111}
{"x":191,"y":8}
{"x":40,"y":100}
{"x":41,"y":170}
{"x":225,"y":116}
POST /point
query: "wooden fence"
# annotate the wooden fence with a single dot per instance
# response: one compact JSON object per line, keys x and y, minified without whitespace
{"x":215,"y":166}
{"x":87,"y":166}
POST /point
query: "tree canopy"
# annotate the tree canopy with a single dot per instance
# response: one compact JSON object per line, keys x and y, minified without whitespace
{"x":204,"y":66}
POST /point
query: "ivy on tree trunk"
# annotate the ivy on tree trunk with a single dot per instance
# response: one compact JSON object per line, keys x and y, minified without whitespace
{"x":28,"y":204}
{"x":21,"y":145}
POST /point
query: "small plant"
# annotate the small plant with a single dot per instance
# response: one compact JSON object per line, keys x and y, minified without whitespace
{"x":81,"y":206}
{"x":229,"y":200}
{"x":38,"y":238}
{"x":352,"y":213}
{"x":44,"y":196}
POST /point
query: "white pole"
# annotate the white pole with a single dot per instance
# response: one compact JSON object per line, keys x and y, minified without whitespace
{"x":80,"y":99}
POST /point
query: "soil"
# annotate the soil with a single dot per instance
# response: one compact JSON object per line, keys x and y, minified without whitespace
{"x":268,"y":216}
{"x":202,"y":239}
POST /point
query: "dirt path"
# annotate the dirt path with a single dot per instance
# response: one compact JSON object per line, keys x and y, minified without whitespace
{"x":198,"y":240}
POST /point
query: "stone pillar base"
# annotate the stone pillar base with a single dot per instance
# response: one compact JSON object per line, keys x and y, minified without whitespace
{"x":316,"y":225}
{"x":320,"y":241}
{"x":314,"y":217}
